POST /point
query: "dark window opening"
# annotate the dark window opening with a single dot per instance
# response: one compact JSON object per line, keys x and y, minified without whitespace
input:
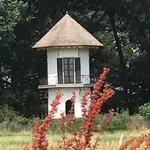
{"x":68,"y":106}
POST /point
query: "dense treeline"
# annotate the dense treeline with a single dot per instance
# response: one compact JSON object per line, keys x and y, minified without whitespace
{"x":121,"y":25}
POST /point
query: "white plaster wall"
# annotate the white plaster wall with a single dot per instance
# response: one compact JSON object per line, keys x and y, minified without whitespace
{"x":52,"y":67}
{"x":68,"y":52}
{"x":67,"y":94}
{"x":85,"y":71}
{"x":52,"y":56}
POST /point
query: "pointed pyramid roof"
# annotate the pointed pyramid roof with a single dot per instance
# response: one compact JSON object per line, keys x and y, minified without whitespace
{"x":67,"y":32}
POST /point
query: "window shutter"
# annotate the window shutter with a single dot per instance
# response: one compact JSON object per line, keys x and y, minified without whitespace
{"x":59,"y":70}
{"x":77,"y":70}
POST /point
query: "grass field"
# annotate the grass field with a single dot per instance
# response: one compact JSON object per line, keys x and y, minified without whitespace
{"x":15,"y":141}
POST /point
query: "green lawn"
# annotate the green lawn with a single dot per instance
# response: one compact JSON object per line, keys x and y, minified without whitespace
{"x":15,"y":141}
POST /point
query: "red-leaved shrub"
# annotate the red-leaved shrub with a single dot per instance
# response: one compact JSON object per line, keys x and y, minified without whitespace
{"x":80,"y":140}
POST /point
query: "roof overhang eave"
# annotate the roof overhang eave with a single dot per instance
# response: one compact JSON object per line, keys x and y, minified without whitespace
{"x":67,"y":46}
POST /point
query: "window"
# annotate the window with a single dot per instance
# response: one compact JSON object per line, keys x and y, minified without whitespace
{"x":68,"y":70}
{"x":68,"y":107}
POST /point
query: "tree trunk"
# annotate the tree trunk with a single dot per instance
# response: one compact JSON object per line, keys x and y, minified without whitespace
{"x":123,"y":71}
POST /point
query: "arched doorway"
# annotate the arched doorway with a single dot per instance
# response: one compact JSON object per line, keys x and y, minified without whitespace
{"x":68,"y":106}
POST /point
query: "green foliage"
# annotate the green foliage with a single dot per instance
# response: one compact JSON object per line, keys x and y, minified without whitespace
{"x":118,"y":121}
{"x":11,"y":13}
{"x":55,"y":126}
{"x":144,"y":111}
{"x":11,"y":121}
{"x":123,"y":121}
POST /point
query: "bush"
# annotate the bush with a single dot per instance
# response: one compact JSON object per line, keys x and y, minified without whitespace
{"x":6,"y":114}
{"x":80,"y":139}
{"x":118,"y":121}
{"x":55,"y":125}
{"x":144,"y":111}
{"x":136,"y":122}
{"x":12,"y":121}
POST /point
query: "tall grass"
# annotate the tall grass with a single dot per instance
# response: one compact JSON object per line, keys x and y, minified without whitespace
{"x":109,"y":140}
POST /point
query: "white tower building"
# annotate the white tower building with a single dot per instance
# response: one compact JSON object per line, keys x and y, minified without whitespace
{"x":67,"y":45}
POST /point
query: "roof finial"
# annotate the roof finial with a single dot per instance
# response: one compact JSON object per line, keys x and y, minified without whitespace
{"x":67,"y":12}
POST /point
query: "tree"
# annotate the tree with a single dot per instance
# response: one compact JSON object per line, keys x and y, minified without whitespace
{"x":11,"y":12}
{"x":122,"y":26}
